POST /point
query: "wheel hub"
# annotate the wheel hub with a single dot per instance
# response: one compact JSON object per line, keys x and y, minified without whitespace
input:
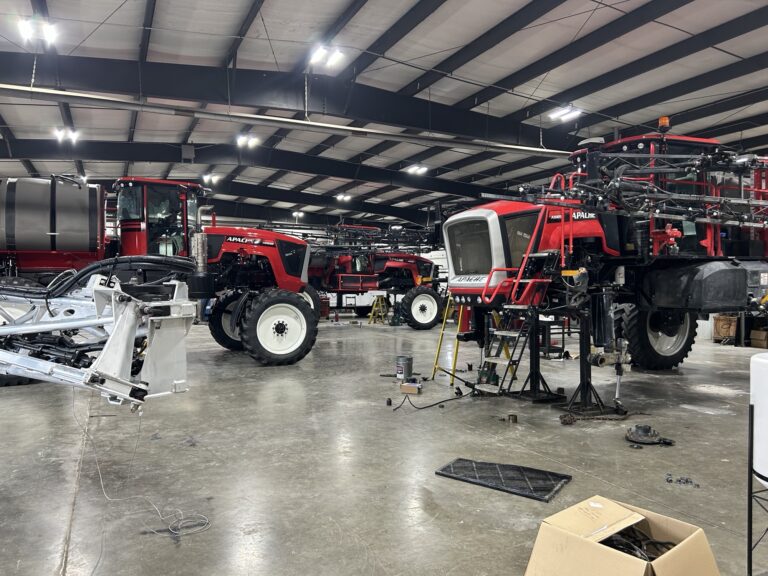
{"x":280,"y":328}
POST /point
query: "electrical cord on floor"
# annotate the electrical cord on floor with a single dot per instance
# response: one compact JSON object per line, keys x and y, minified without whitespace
{"x":177,"y":523}
{"x":408,"y":398}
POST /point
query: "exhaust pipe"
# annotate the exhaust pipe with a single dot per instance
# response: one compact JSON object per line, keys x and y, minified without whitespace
{"x":200,"y":283}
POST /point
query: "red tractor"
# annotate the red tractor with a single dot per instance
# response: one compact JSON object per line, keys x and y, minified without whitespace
{"x":356,"y":270}
{"x":258,"y":277}
{"x":646,"y":235}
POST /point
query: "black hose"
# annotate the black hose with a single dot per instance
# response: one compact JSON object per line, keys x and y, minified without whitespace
{"x":169,"y":264}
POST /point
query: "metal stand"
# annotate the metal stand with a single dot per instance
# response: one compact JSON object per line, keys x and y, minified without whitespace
{"x":589,"y":401}
{"x":538,"y":390}
{"x":753,"y":497}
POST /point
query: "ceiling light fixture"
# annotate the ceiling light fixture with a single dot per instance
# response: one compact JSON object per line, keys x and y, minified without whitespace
{"x":343,"y":197}
{"x":242,"y":140}
{"x":49,"y":33}
{"x":559,"y":112}
{"x":571,"y":115}
{"x":253,"y":141}
{"x":323,"y":56}
{"x":298,"y":214}
{"x":26,"y":30}
{"x":417,"y":169}
{"x":319,"y":53}
{"x":68,"y":133}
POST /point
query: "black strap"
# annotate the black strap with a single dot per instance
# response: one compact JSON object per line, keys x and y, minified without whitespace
{"x":10,"y":215}
{"x":53,"y":214}
{"x":93,"y":224}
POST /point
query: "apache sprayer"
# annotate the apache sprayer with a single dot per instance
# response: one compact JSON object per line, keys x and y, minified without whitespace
{"x":258,"y":277}
{"x":646,"y":235}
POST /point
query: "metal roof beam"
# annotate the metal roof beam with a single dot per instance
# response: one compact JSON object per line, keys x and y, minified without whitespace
{"x":572,"y":50}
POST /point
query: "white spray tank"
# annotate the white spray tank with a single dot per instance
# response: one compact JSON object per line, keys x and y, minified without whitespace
{"x":758,"y":381}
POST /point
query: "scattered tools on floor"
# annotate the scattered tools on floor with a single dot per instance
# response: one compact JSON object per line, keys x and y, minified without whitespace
{"x":680,"y":480}
{"x":645,"y":434}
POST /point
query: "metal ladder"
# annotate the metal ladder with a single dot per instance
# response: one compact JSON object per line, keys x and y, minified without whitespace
{"x":505,"y":347}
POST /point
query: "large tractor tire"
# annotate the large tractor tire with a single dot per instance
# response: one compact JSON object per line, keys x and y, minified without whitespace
{"x":422,"y":308}
{"x":278,"y":328}
{"x":657,"y":340}
{"x":220,"y":322}
{"x":313,"y":299}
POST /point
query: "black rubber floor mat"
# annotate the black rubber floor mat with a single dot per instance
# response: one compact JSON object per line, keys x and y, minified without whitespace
{"x":528,"y":482}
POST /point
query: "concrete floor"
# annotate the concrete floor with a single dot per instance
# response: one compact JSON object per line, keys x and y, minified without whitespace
{"x":305,"y":470}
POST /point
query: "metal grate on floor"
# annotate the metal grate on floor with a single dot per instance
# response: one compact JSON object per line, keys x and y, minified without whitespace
{"x":532,"y":483}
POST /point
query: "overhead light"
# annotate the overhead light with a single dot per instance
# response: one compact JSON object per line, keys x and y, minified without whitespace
{"x":319,"y":53}
{"x":323,"y":55}
{"x":215,"y":178}
{"x":49,"y":33}
{"x":69,"y":134}
{"x":211,"y":178}
{"x":242,"y":140}
{"x":343,"y":197}
{"x":559,"y":112}
{"x":253,"y":141}
{"x":417,"y":169}
{"x":26,"y":30}
{"x":298,"y":214}
{"x":334,"y":58}
{"x":571,"y":115}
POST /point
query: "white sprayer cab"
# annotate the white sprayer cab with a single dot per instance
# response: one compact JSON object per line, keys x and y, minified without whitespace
{"x":474,"y":244}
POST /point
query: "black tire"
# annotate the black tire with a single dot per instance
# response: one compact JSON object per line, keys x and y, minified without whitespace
{"x":219,"y":322}
{"x":363,"y":311}
{"x":638,"y":329}
{"x":313,"y":299}
{"x":285,"y":312}
{"x":422,"y":308}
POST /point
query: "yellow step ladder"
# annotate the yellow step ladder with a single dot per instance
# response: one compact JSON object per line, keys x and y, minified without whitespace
{"x":379,"y":311}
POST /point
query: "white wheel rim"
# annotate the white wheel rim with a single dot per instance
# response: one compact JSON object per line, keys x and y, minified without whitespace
{"x":226,"y":322}
{"x":308,"y":298}
{"x":281,"y":329}
{"x":424,"y":308}
{"x":669,"y":345}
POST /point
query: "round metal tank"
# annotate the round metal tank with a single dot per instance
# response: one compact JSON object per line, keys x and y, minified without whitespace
{"x":758,"y":378}
{"x":47,"y":214}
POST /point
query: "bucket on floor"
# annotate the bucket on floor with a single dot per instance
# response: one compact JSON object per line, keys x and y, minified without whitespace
{"x":404,"y":367}
{"x":759,"y":399}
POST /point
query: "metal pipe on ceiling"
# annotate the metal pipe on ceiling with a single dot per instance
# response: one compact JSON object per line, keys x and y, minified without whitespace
{"x":86,"y":99}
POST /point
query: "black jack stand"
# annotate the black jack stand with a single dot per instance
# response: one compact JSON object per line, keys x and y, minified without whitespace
{"x":589,"y":402}
{"x":535,"y":388}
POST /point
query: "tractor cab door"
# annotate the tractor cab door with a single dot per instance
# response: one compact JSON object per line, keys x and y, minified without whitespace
{"x":155,"y":218}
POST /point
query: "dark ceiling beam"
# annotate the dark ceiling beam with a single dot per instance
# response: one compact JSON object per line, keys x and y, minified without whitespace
{"x":532,"y":11}
{"x":248,"y":20}
{"x":244,"y":190}
{"x":229,"y":209}
{"x":9,"y":138}
{"x":260,"y":89}
{"x":146,"y":34}
{"x":570,"y":51}
{"x":229,"y":154}
{"x":697,"y":43}
{"x":732,"y":126}
{"x":40,"y":9}
{"x":422,"y":10}
{"x":230,"y":59}
{"x":756,"y":142}
{"x":745,"y":67}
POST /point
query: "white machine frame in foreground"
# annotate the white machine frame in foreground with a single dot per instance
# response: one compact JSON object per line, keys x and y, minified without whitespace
{"x":126,"y":348}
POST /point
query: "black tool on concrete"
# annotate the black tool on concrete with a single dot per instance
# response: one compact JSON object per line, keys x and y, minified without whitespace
{"x":539,"y":485}
{"x":645,"y":434}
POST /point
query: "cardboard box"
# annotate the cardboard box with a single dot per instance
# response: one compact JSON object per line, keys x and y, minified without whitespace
{"x":759,"y":338}
{"x":408,"y":388}
{"x":724,"y":327}
{"x":569,"y":543}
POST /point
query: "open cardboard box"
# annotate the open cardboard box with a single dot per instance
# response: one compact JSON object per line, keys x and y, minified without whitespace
{"x":569,"y":543}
